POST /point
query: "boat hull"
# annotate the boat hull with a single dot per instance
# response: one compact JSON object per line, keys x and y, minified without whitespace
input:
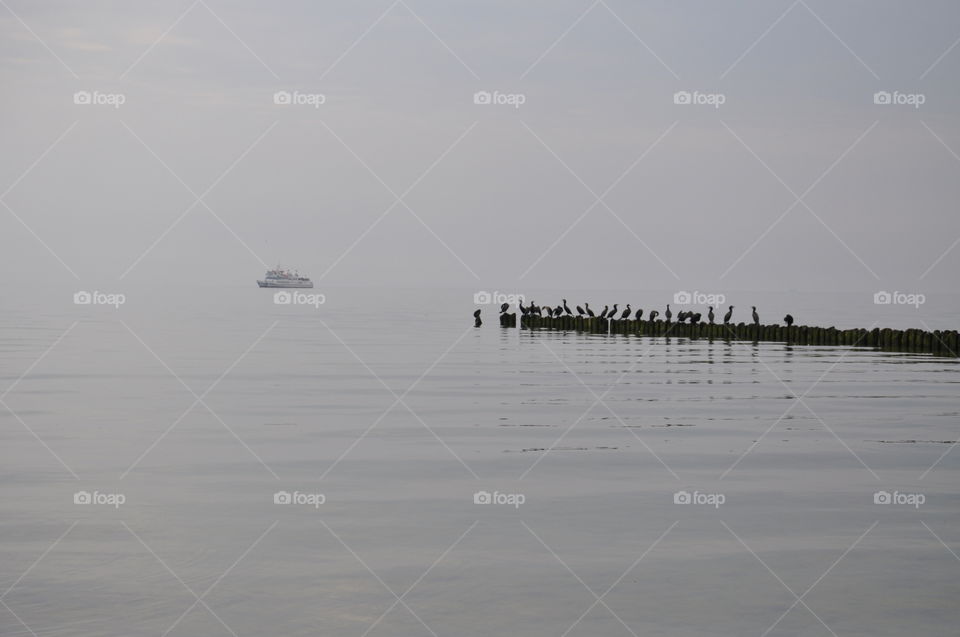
{"x":285,"y":284}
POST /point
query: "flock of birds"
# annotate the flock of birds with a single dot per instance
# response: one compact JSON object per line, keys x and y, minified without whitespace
{"x":608,"y":312}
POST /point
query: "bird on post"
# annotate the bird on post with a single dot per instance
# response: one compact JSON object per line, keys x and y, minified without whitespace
{"x":756,"y":317}
{"x":603,"y":314}
{"x":504,"y":308}
{"x":668,"y":314}
{"x":626,"y":313}
{"x":589,"y":311}
{"x":613,"y":312}
{"x":638,"y":313}
{"x":710,"y":316}
{"x":681,"y":316}
{"x":694,"y":318}
{"x":567,"y":309}
{"x":523,"y":310}
{"x":728,"y":316}
{"x":653,"y":315}
{"x":477,"y":322}
{"x":580,"y":311}
{"x":788,"y":319}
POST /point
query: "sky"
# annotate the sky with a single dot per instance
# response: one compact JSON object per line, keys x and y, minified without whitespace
{"x":586,"y":170}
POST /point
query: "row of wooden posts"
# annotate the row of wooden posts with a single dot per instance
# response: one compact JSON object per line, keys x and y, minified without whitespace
{"x":942,"y":343}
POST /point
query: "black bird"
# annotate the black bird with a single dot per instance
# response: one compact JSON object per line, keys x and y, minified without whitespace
{"x":606,"y":309}
{"x":580,"y":311}
{"x":535,"y":309}
{"x":710,"y":316}
{"x":567,"y":309}
{"x":756,"y":317}
{"x":681,"y":316}
{"x":476,"y":316}
{"x":504,"y":308}
{"x":728,"y":316}
{"x":788,"y":320}
{"x":589,"y":311}
{"x":695,"y":318}
{"x":523,"y":310}
{"x":626,"y":313}
{"x":558,"y":311}
{"x":668,"y":314}
{"x":613,"y":312}
{"x":653,"y":315}
{"x":638,"y":314}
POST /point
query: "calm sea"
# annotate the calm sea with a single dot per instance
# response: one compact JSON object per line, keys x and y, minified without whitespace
{"x":207,"y":462}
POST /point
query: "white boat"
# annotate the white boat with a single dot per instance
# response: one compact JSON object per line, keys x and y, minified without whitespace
{"x":280,"y":278}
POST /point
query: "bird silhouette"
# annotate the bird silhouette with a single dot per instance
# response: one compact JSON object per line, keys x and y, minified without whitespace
{"x":589,"y":311}
{"x":504,"y":308}
{"x":710,"y":316}
{"x":728,"y":316}
{"x":653,"y":315}
{"x":580,"y":311}
{"x":603,"y":314}
{"x":476,"y":316}
{"x":756,"y":317}
{"x":668,"y":314}
{"x":788,"y":320}
{"x":626,"y":313}
{"x":567,"y":309}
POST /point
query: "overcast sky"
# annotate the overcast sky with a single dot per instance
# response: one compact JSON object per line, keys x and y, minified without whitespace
{"x":490,"y":195}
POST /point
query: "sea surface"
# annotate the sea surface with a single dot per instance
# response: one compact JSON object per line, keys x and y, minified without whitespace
{"x":636,"y":486}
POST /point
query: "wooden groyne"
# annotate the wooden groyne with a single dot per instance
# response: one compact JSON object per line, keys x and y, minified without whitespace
{"x":941,"y":343}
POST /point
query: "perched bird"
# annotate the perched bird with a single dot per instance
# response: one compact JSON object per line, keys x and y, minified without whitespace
{"x":613,"y":312}
{"x":788,"y":320}
{"x":567,"y":309}
{"x":589,"y":311}
{"x":626,"y":313}
{"x":694,"y":318}
{"x":535,"y":309}
{"x":603,"y":314}
{"x":681,"y":316}
{"x":638,"y":313}
{"x":668,"y":314}
{"x":653,"y":315}
{"x":523,"y":310}
{"x":580,"y":311}
{"x":710,"y":316}
{"x":476,"y":319}
{"x":756,"y":317}
{"x":504,"y":308}
{"x":728,"y":316}
{"x":558,"y":311}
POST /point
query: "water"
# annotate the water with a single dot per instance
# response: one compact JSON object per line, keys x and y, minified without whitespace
{"x":395,"y":409}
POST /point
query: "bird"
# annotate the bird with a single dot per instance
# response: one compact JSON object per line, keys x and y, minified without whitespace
{"x":694,"y":318}
{"x":567,"y":309}
{"x":756,"y":317}
{"x":603,"y":314}
{"x":626,"y":313}
{"x":504,"y":308}
{"x":523,"y":310}
{"x":558,"y":311}
{"x":668,"y":314}
{"x":788,"y":319}
{"x":710,"y":316}
{"x":728,"y":316}
{"x":613,"y":312}
{"x":653,"y":315}
{"x":638,"y":314}
{"x":589,"y":311}
{"x":580,"y":311}
{"x":535,"y":309}
{"x":681,"y":316}
{"x":476,"y":316}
